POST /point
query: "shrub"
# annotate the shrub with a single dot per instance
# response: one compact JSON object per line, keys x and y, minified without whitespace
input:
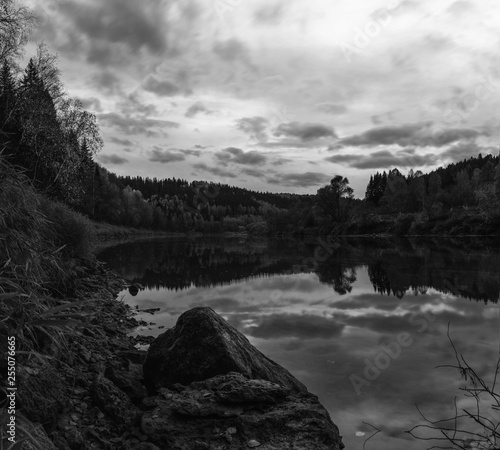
{"x":31,"y":267}
{"x":72,"y":231}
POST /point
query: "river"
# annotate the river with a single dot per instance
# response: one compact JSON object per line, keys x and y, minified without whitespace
{"x":363,"y":323}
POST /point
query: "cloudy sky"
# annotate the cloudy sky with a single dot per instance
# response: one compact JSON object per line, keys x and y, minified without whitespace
{"x":281,"y":95}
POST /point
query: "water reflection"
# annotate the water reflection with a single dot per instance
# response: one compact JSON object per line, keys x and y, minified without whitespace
{"x":395,"y":267}
{"x":327,"y":319}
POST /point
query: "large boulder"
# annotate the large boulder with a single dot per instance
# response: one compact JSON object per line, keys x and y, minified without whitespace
{"x":215,"y":391}
{"x":202,"y":345}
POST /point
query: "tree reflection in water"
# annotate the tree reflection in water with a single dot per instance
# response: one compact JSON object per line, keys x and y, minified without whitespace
{"x":466,"y":269}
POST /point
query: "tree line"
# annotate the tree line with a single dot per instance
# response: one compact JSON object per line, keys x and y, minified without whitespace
{"x":54,"y":140}
{"x":461,"y":198}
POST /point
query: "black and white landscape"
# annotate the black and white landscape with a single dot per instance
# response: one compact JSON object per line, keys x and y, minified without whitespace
{"x":325,"y":176}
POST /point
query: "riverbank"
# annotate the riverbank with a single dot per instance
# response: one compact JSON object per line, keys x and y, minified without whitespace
{"x":87,"y":391}
{"x":462,"y":222}
{"x":64,"y":326}
{"x":64,"y":387}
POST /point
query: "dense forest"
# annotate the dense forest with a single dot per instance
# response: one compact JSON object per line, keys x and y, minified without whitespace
{"x":53,"y":141}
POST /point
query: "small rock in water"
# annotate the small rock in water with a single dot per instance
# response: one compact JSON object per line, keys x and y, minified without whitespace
{"x":253,"y":443}
{"x":231,"y":430}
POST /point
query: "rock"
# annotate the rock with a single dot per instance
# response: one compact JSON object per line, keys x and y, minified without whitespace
{"x":216,"y":391}
{"x":184,"y":419}
{"x":203,"y":345}
{"x":195,"y":404}
{"x":113,"y":401}
{"x":126,"y":380}
{"x":41,"y":395}
{"x":236,"y":389}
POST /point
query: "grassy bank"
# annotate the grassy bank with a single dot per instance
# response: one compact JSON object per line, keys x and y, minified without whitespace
{"x":59,"y":304}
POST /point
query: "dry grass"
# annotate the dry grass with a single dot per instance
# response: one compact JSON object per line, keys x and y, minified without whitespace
{"x":39,"y":241}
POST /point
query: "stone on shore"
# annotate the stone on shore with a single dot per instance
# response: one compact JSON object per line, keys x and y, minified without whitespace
{"x":214,"y":390}
{"x":202,"y":345}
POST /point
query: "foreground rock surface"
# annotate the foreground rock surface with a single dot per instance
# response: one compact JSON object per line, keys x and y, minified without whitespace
{"x":215,"y":391}
{"x":202,"y":345}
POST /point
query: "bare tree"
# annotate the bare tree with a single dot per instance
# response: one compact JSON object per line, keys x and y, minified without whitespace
{"x":16,"y":24}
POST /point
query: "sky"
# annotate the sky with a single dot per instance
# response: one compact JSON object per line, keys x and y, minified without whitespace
{"x":280,"y":96}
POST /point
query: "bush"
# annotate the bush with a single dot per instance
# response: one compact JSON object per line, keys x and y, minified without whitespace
{"x":22,"y":227}
{"x":72,"y":232}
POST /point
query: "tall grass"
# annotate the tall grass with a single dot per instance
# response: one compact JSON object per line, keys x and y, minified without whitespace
{"x":39,"y":241}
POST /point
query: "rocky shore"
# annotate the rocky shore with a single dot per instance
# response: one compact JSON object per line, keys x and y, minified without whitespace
{"x":202,"y":385}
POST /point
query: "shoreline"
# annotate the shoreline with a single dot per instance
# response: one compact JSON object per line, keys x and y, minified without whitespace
{"x":68,"y":399}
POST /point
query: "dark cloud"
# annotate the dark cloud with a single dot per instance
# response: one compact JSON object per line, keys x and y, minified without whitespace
{"x":163,"y":88}
{"x":196,"y":108}
{"x":307,"y":179}
{"x":365,"y":301}
{"x":238,"y":156}
{"x":132,"y":104}
{"x":112,"y":159}
{"x":126,"y":142}
{"x":102,"y":54}
{"x":252,"y":173}
{"x":231,"y":50}
{"x":189,"y":152}
{"x":165,"y":156}
{"x":130,"y":23}
{"x":299,"y":326}
{"x":463,"y":150}
{"x":107,"y":81}
{"x":418,"y":134}
{"x":281,"y":161}
{"x":133,"y":125}
{"x":91,"y":103}
{"x":383,"y":324}
{"x":331,"y":108}
{"x":255,"y":127}
{"x":384,"y":159}
{"x":304,"y":131}
{"x":215,"y":171}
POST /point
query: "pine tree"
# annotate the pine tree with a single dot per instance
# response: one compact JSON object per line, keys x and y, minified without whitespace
{"x":10,"y":128}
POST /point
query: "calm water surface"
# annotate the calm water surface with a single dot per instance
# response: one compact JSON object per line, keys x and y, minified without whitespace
{"x":362,"y":323}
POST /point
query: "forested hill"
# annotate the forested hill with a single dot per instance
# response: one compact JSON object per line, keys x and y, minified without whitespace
{"x":221,"y":194}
